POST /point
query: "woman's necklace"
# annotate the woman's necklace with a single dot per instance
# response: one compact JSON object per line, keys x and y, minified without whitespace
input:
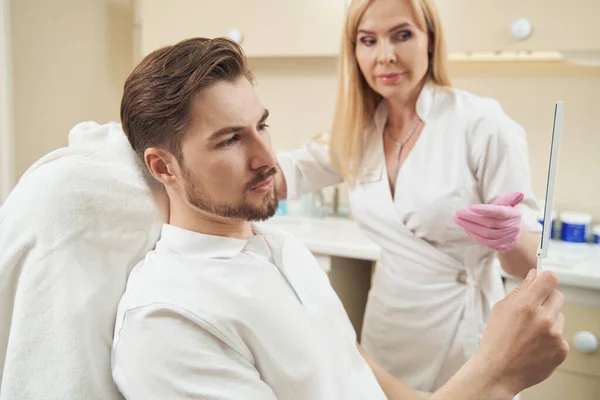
{"x":400,"y":143}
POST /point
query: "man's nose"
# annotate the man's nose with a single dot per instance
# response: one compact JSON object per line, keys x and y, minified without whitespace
{"x":263,"y":155}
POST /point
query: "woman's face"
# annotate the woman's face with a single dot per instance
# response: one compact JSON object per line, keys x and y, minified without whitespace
{"x":391,"y":50}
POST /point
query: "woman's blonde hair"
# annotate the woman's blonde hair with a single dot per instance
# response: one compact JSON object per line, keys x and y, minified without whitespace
{"x":356,"y":101}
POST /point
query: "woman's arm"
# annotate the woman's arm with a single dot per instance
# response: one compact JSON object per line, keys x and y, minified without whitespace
{"x":280,"y":184}
{"x":522,"y":257}
{"x":305,"y":170}
{"x":500,"y":155}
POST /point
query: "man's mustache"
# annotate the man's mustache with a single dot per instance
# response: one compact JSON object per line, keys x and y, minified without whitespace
{"x":261,"y":177}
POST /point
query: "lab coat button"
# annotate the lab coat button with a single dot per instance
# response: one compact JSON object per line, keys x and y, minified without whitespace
{"x":462,"y":277}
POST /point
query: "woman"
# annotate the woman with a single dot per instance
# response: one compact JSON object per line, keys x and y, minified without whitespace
{"x":438,"y":178}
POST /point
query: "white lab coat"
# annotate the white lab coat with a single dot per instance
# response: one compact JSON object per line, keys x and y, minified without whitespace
{"x":434,"y":285}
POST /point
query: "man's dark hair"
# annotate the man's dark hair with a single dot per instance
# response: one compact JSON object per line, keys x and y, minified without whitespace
{"x":157,"y":97}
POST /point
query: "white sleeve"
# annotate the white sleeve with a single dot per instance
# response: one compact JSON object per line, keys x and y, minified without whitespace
{"x":308,"y":169}
{"x":502,"y":164}
{"x":162,"y":352}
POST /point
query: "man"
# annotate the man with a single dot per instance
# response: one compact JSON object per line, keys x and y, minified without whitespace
{"x":226,"y":309}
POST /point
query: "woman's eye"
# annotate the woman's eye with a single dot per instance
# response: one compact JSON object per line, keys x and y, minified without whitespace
{"x":404,"y":35}
{"x":367,"y":41}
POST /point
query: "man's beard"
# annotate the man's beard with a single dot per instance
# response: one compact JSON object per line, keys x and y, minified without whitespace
{"x":244,"y":210}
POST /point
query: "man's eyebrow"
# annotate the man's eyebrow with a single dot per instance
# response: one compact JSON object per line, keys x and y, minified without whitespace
{"x":232,"y":129}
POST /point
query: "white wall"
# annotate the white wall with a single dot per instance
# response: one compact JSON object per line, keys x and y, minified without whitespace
{"x":71,"y":58}
{"x":70,"y":61}
{"x":301,"y":95}
{"x":7,"y":151}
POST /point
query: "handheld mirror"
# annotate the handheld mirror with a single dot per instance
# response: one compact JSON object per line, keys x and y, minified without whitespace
{"x":549,"y":199}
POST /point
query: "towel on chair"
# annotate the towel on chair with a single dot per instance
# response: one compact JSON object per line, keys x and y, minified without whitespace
{"x":70,"y":232}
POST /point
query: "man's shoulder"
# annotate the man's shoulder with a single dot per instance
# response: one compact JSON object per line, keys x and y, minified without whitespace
{"x":175,"y":288}
{"x":168,"y":278}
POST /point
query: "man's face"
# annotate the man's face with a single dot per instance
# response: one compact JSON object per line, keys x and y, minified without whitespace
{"x":228,"y":164}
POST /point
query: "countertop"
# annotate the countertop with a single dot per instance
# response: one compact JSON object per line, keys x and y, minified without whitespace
{"x":574,"y":264}
{"x":340,"y":237}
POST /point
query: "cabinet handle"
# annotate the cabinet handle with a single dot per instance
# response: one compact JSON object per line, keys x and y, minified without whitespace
{"x":521,"y":28}
{"x":586,"y":342}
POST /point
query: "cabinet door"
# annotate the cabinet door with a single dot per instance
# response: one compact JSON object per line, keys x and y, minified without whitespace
{"x":268,"y":27}
{"x":580,"y":318}
{"x":564,"y":385}
{"x":484,"y":25}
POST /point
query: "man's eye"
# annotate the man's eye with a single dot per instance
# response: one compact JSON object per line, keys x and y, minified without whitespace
{"x":262,"y":127}
{"x":229,"y":142}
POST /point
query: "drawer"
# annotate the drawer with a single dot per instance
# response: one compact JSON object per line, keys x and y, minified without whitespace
{"x":564,"y":385}
{"x":581,"y":318}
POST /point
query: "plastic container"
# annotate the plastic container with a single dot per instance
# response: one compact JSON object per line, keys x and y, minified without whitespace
{"x":575,"y":226}
{"x":540,"y":219}
{"x":596,"y":233}
{"x":307,"y":206}
{"x":281,"y":208}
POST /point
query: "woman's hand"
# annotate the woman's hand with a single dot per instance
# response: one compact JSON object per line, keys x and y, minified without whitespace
{"x":497,"y":225}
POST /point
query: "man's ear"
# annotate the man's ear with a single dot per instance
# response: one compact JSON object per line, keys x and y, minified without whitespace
{"x":162,"y":165}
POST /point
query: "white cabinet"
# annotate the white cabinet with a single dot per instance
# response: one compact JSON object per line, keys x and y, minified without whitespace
{"x":324,"y":262}
{"x":307,"y":28}
{"x":485,"y":25}
{"x":268,"y":28}
{"x":578,"y":377}
{"x":580,"y":319}
{"x":564,"y":385}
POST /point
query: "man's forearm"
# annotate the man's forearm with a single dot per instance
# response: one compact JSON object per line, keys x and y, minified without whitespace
{"x":471,"y":382}
{"x":393,"y":388}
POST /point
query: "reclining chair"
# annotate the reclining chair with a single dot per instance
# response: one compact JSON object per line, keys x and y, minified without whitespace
{"x":70,"y":232}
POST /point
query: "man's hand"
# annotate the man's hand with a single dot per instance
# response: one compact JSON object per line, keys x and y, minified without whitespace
{"x":523,"y":343}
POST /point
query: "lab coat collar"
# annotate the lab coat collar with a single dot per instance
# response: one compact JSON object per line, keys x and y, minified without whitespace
{"x":183,"y":241}
{"x":372,"y":163}
{"x":424,"y":103}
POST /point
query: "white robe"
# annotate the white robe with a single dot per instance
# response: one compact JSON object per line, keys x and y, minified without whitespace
{"x":434,"y":285}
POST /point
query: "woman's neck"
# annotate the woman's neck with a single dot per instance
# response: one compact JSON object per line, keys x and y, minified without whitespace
{"x":403,"y":109}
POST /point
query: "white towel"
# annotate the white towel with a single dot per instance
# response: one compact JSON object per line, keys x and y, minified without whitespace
{"x":70,"y":232}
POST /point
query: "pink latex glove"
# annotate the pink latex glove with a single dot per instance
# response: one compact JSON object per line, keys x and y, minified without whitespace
{"x":496,"y":225}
